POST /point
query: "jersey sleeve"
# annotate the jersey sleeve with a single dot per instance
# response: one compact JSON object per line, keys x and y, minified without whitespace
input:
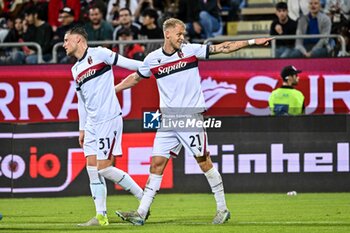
{"x":128,"y":63}
{"x":81,"y":112}
{"x":108,"y":56}
{"x":200,"y":50}
{"x":144,"y":70}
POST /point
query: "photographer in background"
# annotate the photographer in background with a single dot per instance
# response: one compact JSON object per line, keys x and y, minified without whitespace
{"x":338,"y":11}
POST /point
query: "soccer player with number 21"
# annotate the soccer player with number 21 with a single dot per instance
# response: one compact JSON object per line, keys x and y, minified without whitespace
{"x":175,"y":66}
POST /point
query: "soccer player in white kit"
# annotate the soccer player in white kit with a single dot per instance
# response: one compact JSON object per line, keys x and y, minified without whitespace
{"x":175,"y":66}
{"x":100,"y":120}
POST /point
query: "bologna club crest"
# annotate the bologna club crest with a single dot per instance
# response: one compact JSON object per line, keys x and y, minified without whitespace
{"x":180,"y":54}
{"x":89,"y":60}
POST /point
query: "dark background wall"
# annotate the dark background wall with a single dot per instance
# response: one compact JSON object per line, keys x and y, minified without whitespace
{"x":254,"y":154}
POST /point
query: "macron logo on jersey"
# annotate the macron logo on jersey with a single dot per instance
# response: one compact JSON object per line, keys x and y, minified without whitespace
{"x":174,"y":67}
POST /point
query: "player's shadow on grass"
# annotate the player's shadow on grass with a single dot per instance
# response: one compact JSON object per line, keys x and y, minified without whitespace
{"x":180,"y":221}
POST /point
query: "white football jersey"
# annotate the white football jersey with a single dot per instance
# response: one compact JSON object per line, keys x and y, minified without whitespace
{"x":178,"y":79}
{"x":93,"y":75}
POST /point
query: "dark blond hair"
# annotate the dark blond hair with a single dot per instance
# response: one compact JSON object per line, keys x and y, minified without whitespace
{"x":78,"y":30}
{"x":171,"y":23}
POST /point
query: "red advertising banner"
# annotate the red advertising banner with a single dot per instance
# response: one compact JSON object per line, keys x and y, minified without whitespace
{"x":39,"y":164}
{"x":46,"y":93}
{"x":253,"y":154}
{"x":136,"y":159}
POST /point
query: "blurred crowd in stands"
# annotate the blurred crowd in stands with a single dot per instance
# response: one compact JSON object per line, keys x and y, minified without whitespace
{"x":311,"y":17}
{"x":45,"y":22}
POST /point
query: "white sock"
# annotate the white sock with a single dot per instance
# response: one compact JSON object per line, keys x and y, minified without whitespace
{"x":217,"y":187}
{"x":123,"y":179}
{"x":98,"y":190}
{"x":151,"y":189}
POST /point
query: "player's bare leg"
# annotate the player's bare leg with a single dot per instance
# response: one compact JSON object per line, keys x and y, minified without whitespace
{"x":215,"y":182}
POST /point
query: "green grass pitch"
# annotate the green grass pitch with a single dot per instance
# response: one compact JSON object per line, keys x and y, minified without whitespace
{"x":184,"y":213}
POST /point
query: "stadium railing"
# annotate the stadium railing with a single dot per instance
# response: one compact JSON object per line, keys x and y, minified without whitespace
{"x":110,"y":42}
{"x":340,"y":38}
{"x":20,"y":44}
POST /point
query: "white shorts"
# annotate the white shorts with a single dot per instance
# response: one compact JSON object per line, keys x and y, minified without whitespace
{"x":104,"y":140}
{"x":169,"y":142}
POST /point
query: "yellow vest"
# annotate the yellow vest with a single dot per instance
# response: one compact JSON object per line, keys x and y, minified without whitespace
{"x":286,"y":101}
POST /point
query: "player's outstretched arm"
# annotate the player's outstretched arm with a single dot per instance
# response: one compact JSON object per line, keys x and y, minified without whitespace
{"x":128,"y":63}
{"x":231,"y":46}
{"x":128,"y":82}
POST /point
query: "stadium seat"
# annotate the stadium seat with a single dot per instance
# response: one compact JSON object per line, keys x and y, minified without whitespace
{"x":261,"y":2}
{"x":248,"y":27}
{"x":258,"y":11}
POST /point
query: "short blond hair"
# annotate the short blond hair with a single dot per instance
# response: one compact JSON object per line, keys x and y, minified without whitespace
{"x":78,"y":30}
{"x":171,"y":23}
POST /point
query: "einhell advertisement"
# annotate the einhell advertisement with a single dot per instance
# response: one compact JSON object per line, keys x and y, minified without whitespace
{"x":234,"y":87}
{"x":253,"y":154}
